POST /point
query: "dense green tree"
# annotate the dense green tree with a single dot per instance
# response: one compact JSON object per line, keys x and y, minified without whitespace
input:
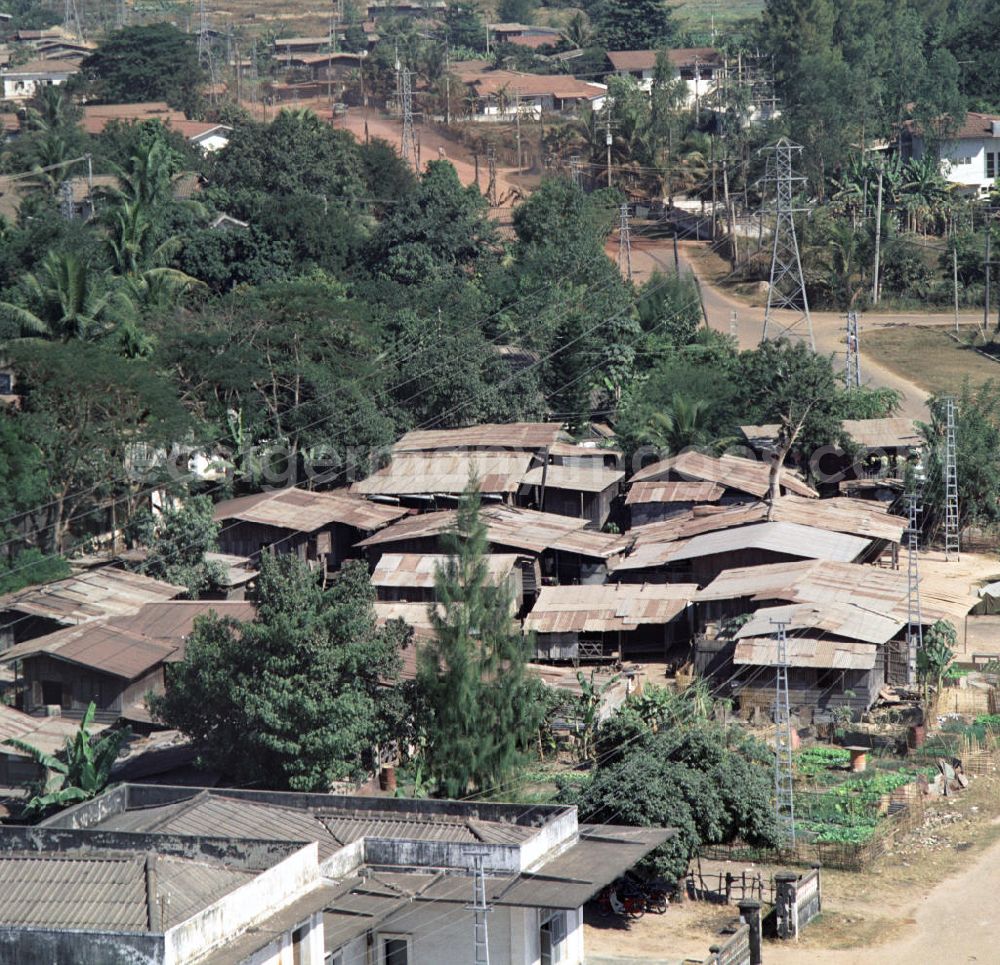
{"x":517,"y":11}
{"x":440,"y":227}
{"x":296,"y":154}
{"x":632,"y":24}
{"x":464,"y":27}
{"x":148,"y":62}
{"x":175,"y":543}
{"x":482,"y":710}
{"x":225,"y":258}
{"x":298,"y":698}
{"x":92,"y":413}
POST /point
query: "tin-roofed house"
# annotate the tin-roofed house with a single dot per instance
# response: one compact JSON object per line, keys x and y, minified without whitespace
{"x":651,"y":502}
{"x":89,"y":595}
{"x":318,"y":527}
{"x":613,"y":621}
{"x":559,"y":548}
{"x":586,"y":492}
{"x":410,"y":577}
{"x":113,"y":662}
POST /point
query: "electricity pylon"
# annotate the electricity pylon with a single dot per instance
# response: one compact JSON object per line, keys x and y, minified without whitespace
{"x":786,"y":291}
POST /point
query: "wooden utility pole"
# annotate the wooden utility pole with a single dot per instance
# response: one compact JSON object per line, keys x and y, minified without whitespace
{"x":730,"y":216}
{"x":517,"y":124}
{"x":607,"y":137}
{"x":986,"y":304}
{"x":954,"y":272}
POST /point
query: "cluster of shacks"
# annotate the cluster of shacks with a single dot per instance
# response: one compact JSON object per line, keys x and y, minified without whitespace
{"x":685,"y":561}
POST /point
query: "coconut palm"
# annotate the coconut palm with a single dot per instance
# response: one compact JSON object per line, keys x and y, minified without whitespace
{"x":65,"y":299}
{"x":82,"y":773}
{"x":683,"y":424}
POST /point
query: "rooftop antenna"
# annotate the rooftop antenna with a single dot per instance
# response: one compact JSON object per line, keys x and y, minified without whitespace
{"x":951,"y":529}
{"x":784,"y":798}
{"x":787,"y":288}
{"x":852,"y":372}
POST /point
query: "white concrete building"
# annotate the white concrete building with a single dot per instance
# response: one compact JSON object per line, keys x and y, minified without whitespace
{"x":699,"y":68}
{"x":23,"y":82}
{"x":970,"y":158}
{"x":390,"y":879}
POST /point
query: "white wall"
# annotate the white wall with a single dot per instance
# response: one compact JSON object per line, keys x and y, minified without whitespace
{"x":282,"y":950}
{"x":24,"y":87}
{"x":442,"y":934}
{"x":964,"y":161}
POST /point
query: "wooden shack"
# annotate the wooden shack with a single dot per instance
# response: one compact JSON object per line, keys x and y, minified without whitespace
{"x":586,"y":492}
{"x":613,"y":621}
{"x":318,"y":527}
{"x":91,"y":594}
{"x":113,"y":662}
{"x":653,"y":502}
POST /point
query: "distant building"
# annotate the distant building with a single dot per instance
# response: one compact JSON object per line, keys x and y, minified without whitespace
{"x":24,"y":82}
{"x":699,"y":67}
{"x":969,"y":158}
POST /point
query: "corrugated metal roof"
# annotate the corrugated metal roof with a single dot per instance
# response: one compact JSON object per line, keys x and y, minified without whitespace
{"x":809,"y":581}
{"x":586,"y":479}
{"x":817,"y":652}
{"x":840,"y":514}
{"x":608,"y":607}
{"x":417,"y":570}
{"x":840,"y":618}
{"x":582,"y":450}
{"x":744,"y":475}
{"x":791,"y":539}
{"x":129,"y":646}
{"x":104,"y":892}
{"x":674,"y":492}
{"x":304,"y":511}
{"x":509,"y":526}
{"x":97,"y":593}
{"x":418,"y":473}
{"x":48,"y":734}
{"x":512,"y":435}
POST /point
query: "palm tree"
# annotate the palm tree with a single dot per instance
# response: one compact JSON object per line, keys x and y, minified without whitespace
{"x":684,"y":423}
{"x":65,"y":300}
{"x":48,"y":157}
{"x":83,"y":774}
{"x":578,"y":31}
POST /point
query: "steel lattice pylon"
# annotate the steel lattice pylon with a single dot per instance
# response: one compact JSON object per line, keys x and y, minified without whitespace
{"x":784,"y":797}
{"x":624,"y":243}
{"x":574,"y":169}
{"x":408,"y":145}
{"x":786,"y":291}
{"x":951,"y":528}
{"x":852,"y":372}
{"x":914,"y":620}
{"x":479,"y":908}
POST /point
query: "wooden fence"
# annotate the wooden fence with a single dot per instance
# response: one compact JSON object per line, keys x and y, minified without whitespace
{"x":725,"y":887}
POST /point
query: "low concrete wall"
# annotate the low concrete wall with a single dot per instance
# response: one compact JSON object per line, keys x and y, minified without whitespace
{"x":39,"y":946}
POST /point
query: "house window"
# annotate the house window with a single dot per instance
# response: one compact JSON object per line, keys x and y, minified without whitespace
{"x":991,"y":165}
{"x":6,"y":383}
{"x":552,"y":936}
{"x":394,"y":950}
{"x":300,"y":945}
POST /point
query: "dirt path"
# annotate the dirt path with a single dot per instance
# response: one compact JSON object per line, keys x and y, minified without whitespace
{"x":952,"y":923}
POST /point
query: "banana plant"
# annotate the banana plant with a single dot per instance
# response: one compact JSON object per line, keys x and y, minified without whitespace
{"x":83,"y":771}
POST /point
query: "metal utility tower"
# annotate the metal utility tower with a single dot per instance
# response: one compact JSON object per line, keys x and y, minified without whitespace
{"x":784,"y":798}
{"x":66,"y":199}
{"x":479,"y":908}
{"x":574,"y":169}
{"x":852,"y":373}
{"x":408,"y":147}
{"x":121,"y":14}
{"x":491,"y":171}
{"x":624,"y":243}
{"x":787,"y":290}
{"x":71,"y":15}
{"x":951,"y":530}
{"x":914,"y":622}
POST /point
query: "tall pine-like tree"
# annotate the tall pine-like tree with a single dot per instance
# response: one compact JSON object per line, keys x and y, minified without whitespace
{"x":482,"y":708}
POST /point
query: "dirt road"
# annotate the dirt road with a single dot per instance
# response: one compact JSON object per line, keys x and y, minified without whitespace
{"x":953,"y":923}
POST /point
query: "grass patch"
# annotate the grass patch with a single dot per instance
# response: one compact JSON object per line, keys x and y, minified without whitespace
{"x":697,"y":14}
{"x":928,"y":357}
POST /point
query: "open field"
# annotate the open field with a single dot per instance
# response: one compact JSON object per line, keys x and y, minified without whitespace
{"x":928,"y":357}
{"x":698,"y":14}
